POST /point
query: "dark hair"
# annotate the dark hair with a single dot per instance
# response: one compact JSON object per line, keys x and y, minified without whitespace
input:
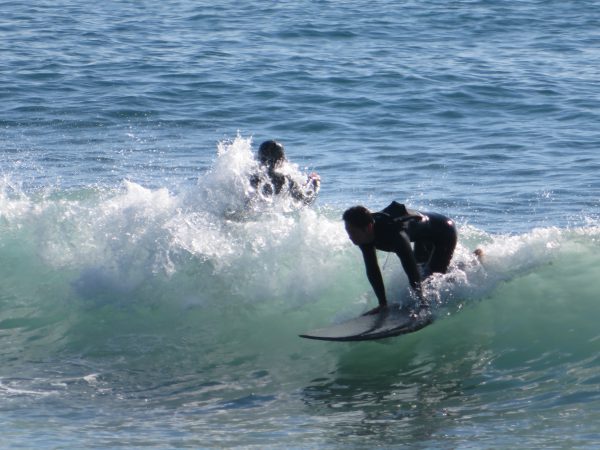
{"x":271,"y":153}
{"x":359,"y":216}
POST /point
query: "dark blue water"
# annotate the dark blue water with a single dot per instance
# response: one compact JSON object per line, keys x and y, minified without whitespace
{"x":142,"y":305}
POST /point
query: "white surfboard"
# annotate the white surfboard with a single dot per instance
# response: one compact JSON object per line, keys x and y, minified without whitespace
{"x":392,"y":321}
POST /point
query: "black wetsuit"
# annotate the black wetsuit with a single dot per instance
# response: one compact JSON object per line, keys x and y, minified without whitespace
{"x":434,"y":237}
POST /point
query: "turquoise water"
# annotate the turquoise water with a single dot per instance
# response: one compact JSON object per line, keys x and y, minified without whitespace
{"x":146,"y":303}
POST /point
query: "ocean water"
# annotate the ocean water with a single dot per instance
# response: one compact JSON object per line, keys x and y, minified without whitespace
{"x":149,"y":300}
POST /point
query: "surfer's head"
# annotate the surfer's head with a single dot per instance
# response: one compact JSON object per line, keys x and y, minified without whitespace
{"x":271,"y":154}
{"x":359,"y":225}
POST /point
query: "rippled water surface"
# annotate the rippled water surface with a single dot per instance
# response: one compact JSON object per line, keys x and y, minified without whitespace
{"x":143,"y":304}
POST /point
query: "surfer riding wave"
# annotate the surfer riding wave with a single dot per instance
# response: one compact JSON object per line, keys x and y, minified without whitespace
{"x":393,"y":230}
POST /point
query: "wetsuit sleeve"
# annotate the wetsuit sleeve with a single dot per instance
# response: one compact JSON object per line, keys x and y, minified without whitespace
{"x":374,"y":273}
{"x":407,"y":257}
{"x":302,"y":194}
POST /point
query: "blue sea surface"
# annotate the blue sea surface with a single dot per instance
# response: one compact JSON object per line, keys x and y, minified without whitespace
{"x":147,"y":300}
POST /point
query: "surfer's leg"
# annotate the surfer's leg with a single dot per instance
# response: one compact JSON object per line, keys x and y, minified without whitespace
{"x":443,"y":251}
{"x":441,"y":260}
{"x":423,"y":251}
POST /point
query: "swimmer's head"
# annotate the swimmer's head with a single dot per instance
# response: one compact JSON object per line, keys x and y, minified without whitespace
{"x":271,"y":153}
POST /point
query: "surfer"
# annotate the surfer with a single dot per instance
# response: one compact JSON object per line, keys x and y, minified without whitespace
{"x":392,"y":230}
{"x":271,"y":181}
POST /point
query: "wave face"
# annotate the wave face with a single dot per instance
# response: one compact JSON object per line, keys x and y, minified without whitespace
{"x":191,"y":301}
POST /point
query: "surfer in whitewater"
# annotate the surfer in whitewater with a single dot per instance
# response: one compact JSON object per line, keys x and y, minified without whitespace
{"x":392,"y":230}
{"x":272,"y":181}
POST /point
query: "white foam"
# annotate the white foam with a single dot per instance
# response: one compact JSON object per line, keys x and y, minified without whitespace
{"x":221,"y":239}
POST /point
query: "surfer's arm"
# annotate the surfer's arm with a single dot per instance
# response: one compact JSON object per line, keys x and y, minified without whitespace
{"x":409,"y":263}
{"x":307,"y":193}
{"x":255,"y":180}
{"x":374,"y":273}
